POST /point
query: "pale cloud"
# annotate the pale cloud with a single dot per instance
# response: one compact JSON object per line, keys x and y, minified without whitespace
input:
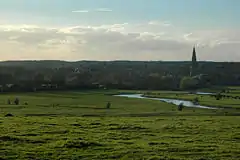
{"x":104,"y":10}
{"x":95,"y":10}
{"x":164,"y":23}
{"x":80,"y":11}
{"x":146,"y":41}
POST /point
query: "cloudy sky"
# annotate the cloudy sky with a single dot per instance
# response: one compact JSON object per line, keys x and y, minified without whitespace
{"x":119,"y":29}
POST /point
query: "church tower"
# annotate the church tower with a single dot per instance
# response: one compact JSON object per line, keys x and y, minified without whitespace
{"x":194,"y":58}
{"x":194,"y":64}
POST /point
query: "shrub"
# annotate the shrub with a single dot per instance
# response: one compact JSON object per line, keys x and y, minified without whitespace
{"x":16,"y":101}
{"x":218,"y":96}
{"x":9,"y":115}
{"x":180,"y":107}
{"x":196,"y":100}
{"x":108,"y":105}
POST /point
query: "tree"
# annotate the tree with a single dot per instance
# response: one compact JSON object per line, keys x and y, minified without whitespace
{"x":49,"y":75}
{"x":218,"y":96}
{"x":180,"y":107}
{"x":16,"y":101}
{"x":108,"y":105}
{"x":196,"y":101}
{"x":9,"y":101}
{"x":188,"y":83}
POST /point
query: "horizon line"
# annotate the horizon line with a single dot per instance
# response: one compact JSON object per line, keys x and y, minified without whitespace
{"x":68,"y":61}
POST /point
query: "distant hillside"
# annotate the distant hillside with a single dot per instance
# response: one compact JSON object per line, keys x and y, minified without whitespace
{"x":58,"y":63}
{"x":166,"y":75}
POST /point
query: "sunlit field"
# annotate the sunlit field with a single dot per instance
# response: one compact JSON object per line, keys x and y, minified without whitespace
{"x":77,"y":125}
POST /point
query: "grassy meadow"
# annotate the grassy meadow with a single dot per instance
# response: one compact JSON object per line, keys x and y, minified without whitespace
{"x":205,"y":100}
{"x":77,"y":125}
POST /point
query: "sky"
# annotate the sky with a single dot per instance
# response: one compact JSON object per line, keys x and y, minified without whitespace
{"x":164,"y":30}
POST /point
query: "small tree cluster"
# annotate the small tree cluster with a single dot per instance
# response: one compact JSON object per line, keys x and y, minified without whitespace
{"x":196,"y":100}
{"x":16,"y":101}
{"x":188,"y":83}
{"x":218,"y":96}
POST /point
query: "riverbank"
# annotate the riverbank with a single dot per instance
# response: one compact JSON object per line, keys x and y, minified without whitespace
{"x":203,"y":99}
{"x":169,"y":101}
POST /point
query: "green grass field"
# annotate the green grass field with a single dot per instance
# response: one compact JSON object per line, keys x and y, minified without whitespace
{"x":77,"y":125}
{"x":235,"y":91}
{"x":205,"y":100}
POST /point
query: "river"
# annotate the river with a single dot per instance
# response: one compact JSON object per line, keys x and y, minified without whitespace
{"x":171,"y":101}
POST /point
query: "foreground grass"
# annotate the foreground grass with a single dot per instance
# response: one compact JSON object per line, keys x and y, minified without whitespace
{"x":76,"y":125}
{"x":114,"y":138}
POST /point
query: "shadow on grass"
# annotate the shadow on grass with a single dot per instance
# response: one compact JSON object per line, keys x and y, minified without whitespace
{"x":127,"y":127}
{"x":19,"y":140}
{"x":81,"y":144}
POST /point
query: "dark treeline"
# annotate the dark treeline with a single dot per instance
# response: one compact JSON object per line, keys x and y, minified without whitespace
{"x":60,"y":75}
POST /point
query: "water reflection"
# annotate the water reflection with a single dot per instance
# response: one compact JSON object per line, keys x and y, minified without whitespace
{"x":171,"y":101}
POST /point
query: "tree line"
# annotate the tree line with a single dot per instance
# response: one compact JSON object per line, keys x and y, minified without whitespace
{"x":60,"y":75}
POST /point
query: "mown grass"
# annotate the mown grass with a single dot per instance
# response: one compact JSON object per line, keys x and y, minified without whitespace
{"x":76,"y":125}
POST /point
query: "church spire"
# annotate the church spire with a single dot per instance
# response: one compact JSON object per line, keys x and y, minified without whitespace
{"x":194,"y":56}
{"x":194,"y":62}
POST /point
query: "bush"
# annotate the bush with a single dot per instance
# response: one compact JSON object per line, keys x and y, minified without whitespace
{"x":108,"y":105}
{"x":16,"y":101}
{"x":180,"y":107}
{"x":196,"y":101}
{"x":188,"y":83}
{"x":218,"y":96}
{"x":9,"y":115}
{"x":9,"y":101}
